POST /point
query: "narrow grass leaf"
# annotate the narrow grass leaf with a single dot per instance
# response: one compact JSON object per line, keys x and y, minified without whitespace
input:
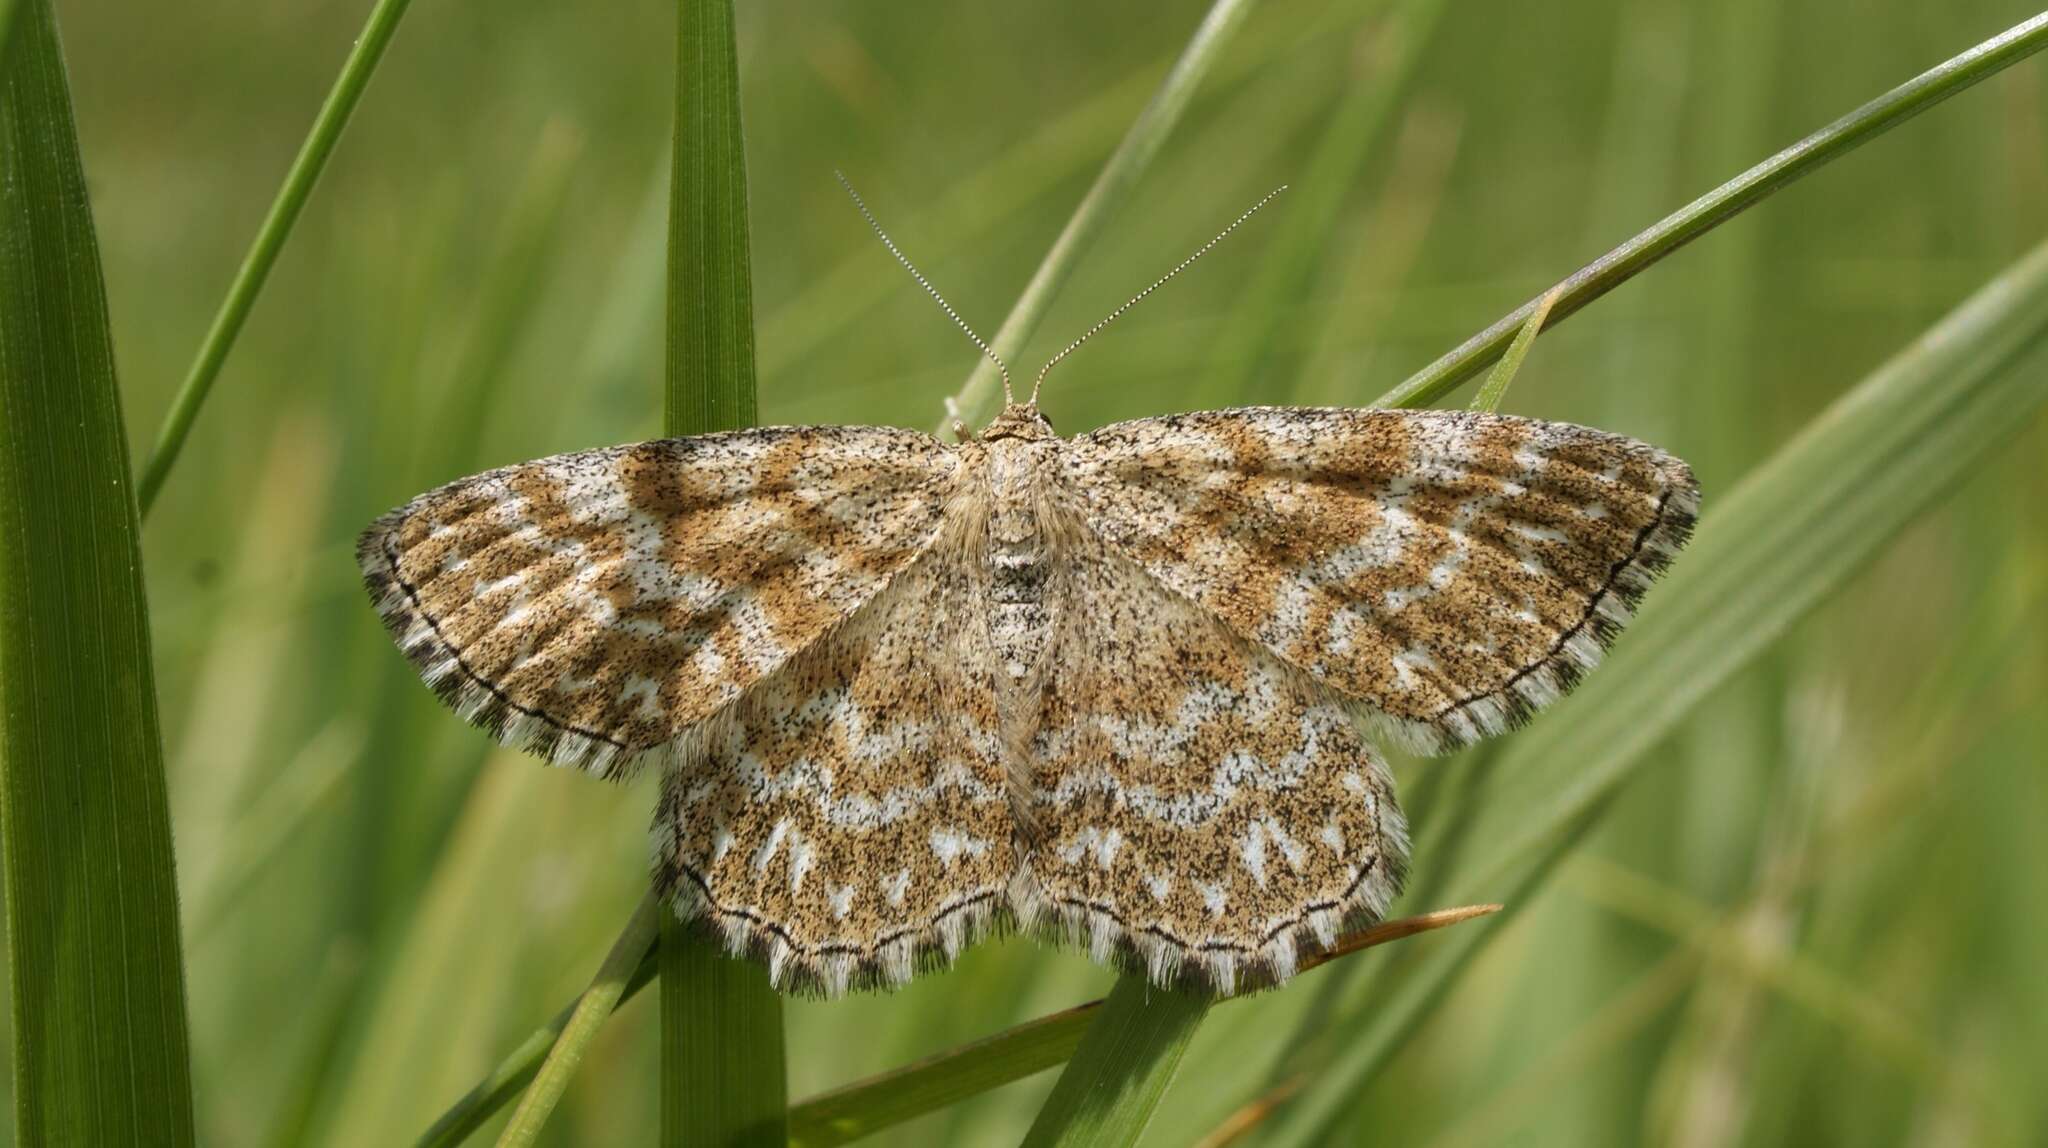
{"x":1794,"y":532}
{"x":1112,"y":186}
{"x":710,"y":266}
{"x":723,"y":1072}
{"x":1723,"y":203}
{"x":1495,"y":388}
{"x":518,"y":1069}
{"x":1122,"y":1067}
{"x":100,"y":1052}
{"x":592,"y":1009}
{"x":277,"y":226}
{"x":900,"y":1095}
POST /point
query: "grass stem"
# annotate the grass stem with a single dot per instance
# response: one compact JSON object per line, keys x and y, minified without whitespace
{"x":592,"y":1009}
{"x":277,"y":226}
{"x":1724,"y":203}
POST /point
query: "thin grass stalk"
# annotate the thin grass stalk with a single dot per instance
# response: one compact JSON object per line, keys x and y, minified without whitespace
{"x":1723,"y":203}
{"x":1112,"y":186}
{"x":517,"y":1070}
{"x":100,"y":1049}
{"x":270,"y":237}
{"x":1495,"y":388}
{"x":592,"y":1009}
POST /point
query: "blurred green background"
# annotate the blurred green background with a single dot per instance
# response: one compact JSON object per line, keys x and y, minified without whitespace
{"x":377,"y":904}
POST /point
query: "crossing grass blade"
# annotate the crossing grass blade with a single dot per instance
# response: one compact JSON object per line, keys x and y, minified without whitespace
{"x":100,"y":1052}
{"x":1709,"y":211}
{"x":1122,"y":1068}
{"x":592,"y":1009}
{"x":870,"y":1106}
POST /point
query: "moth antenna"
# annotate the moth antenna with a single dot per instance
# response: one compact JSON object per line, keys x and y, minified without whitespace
{"x":927,"y":285}
{"x":1156,"y":285}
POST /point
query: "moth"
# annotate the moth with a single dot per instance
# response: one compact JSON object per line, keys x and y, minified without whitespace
{"x":1116,"y":689}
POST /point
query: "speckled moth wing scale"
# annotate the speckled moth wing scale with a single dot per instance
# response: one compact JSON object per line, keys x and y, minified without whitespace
{"x":1206,"y":812}
{"x":1448,"y":571}
{"x":847,"y":820}
{"x":591,"y":606}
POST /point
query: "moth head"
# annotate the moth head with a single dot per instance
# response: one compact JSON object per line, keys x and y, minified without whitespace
{"x":1020,"y":421}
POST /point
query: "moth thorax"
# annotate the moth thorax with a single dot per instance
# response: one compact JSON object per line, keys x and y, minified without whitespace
{"x":1017,"y":560}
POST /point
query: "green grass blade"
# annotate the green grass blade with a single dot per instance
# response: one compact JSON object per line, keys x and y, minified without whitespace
{"x":723,"y":1075}
{"x":592,"y":1009}
{"x":517,"y":1070}
{"x":100,"y":1052}
{"x":1724,"y":203}
{"x":837,"y":1117}
{"x":1495,"y":388}
{"x":710,"y":267}
{"x":1793,"y":533}
{"x":277,"y":225}
{"x":723,"y":1078}
{"x":869,"y":1106}
{"x":1132,"y":156}
{"x":1122,"y":1068}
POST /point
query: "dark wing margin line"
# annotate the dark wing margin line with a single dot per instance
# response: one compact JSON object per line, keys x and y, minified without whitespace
{"x":1579,"y":648}
{"x":473,"y":697}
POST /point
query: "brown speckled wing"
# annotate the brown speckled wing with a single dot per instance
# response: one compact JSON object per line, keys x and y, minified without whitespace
{"x":1450,"y":571}
{"x":1202,"y":809}
{"x":848,"y":820}
{"x":593,"y":606}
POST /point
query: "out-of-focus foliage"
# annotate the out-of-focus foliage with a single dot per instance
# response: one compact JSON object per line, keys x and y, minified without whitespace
{"x":378,"y":906}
